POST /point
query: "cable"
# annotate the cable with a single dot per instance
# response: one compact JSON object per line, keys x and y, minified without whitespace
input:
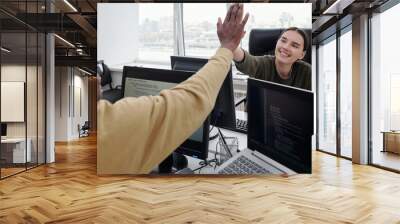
{"x":213,"y":137}
{"x":204,"y":163}
{"x":215,"y":156}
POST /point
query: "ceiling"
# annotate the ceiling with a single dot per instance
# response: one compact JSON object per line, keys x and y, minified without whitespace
{"x":76,"y":21}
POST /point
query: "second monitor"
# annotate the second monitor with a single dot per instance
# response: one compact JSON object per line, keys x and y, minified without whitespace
{"x":138,"y":81}
{"x":223,"y":114}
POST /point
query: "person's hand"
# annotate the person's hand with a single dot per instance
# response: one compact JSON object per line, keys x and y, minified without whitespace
{"x":231,"y":31}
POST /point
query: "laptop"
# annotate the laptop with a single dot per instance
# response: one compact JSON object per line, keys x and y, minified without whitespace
{"x":280,"y":127}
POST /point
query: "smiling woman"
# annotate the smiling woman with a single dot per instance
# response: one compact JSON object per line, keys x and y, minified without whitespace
{"x":285,"y":67}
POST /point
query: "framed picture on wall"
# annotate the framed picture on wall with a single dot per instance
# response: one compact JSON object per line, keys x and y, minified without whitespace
{"x":12,"y":101}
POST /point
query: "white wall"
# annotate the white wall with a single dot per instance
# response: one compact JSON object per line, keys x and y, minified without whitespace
{"x":85,"y":100}
{"x":62,"y":81}
{"x":117,"y":26}
{"x":70,"y":83}
{"x":14,"y":73}
{"x":80,"y":113}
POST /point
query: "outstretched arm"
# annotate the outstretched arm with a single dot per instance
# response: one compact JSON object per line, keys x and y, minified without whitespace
{"x":136,"y":134}
{"x":231,"y":31}
{"x":238,"y":53}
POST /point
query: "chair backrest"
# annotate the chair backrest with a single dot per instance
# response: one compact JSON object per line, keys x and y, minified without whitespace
{"x":111,"y":94}
{"x":86,"y":125}
{"x":263,"y":42}
{"x":105,"y":73}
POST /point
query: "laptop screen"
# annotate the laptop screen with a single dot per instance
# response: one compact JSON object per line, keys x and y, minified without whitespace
{"x":280,"y":123}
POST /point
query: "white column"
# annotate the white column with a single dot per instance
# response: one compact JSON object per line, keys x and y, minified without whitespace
{"x":50,"y":99}
{"x":360,"y":90}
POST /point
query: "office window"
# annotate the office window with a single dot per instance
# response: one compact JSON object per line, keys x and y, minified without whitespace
{"x":22,"y":95}
{"x":200,"y":29}
{"x":13,"y":84}
{"x":156,"y":42}
{"x":385,"y":89}
{"x":346,"y":94}
{"x":277,"y":15}
{"x":327,"y":96}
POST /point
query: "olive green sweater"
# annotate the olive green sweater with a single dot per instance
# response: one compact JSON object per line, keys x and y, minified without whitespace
{"x":136,"y":134}
{"x":263,"y":67}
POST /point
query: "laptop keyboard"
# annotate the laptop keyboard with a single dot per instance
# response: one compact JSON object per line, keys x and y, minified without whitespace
{"x":241,"y":125}
{"x":243,"y":165}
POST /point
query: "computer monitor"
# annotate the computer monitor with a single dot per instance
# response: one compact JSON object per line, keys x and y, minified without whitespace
{"x":183,"y":63}
{"x":280,"y":123}
{"x":223,"y":114}
{"x":139,"y":81}
{"x":3,"y":129}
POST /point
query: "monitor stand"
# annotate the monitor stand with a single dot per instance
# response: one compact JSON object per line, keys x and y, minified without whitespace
{"x":166,"y":165}
{"x":176,"y":160}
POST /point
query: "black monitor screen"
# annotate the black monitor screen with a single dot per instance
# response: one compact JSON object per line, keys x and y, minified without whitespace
{"x":280,"y":123}
{"x":223,"y":114}
{"x":138,"y":81}
{"x":3,"y":129}
{"x":183,"y":63}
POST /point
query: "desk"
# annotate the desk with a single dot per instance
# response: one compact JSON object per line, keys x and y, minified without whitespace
{"x":13,"y":150}
{"x":391,"y":141}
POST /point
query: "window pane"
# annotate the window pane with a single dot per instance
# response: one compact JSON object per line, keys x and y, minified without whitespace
{"x":385,"y":88}
{"x":277,"y":15}
{"x":156,"y":42}
{"x":327,"y":97}
{"x":200,"y":29}
{"x":314,"y":86}
{"x":346,"y":94}
{"x":31,"y":100}
{"x":13,"y":83}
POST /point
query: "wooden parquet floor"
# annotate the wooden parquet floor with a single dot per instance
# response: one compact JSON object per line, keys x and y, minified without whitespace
{"x":69,"y":191}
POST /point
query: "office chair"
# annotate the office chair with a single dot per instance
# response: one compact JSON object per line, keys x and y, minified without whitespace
{"x":113,"y":94}
{"x":263,"y":42}
{"x":84,"y":130}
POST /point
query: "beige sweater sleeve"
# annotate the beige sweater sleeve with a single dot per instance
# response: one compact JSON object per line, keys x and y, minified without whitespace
{"x":136,"y":134}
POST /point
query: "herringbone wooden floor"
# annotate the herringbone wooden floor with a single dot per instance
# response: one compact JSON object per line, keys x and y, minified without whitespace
{"x":69,"y":191}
